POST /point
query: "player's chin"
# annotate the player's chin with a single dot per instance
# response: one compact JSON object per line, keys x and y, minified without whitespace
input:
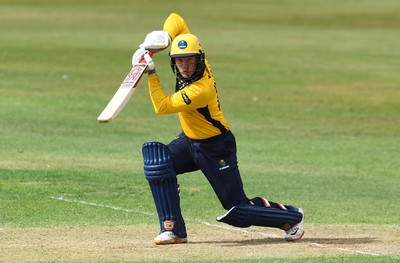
{"x":186,"y":75}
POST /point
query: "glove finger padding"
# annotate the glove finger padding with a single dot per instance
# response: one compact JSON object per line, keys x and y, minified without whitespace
{"x":150,"y":63}
{"x":142,"y":56}
{"x":138,"y":56}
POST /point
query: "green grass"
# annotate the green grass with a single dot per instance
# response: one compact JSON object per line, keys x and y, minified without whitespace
{"x":310,"y":89}
{"x":353,"y":259}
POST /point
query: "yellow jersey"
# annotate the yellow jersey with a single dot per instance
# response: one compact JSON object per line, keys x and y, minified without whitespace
{"x":197,"y":104}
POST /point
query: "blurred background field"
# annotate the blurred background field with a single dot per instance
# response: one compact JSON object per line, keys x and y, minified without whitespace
{"x":310,"y":89}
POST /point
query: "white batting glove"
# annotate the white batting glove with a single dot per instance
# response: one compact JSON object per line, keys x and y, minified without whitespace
{"x":151,"y":66}
{"x":156,"y":41}
{"x":139,"y":55}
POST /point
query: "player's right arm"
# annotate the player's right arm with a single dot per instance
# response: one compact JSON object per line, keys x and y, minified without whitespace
{"x":192,"y":97}
{"x":175,"y":25}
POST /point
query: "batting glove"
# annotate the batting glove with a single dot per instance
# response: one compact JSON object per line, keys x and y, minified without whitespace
{"x":138,"y":56}
{"x":141,"y":54}
{"x":156,"y":41}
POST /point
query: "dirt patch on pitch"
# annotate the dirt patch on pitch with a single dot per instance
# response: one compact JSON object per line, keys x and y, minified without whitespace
{"x":206,"y":242}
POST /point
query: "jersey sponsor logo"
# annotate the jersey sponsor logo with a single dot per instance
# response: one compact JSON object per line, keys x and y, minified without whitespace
{"x":182,"y":44}
{"x":185,"y":98}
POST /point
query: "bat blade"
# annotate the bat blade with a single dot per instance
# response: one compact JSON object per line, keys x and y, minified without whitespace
{"x":124,"y":92}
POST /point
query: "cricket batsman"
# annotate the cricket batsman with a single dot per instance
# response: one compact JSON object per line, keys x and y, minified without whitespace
{"x":206,"y":142}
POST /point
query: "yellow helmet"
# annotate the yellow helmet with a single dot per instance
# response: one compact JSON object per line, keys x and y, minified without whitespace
{"x":185,"y":45}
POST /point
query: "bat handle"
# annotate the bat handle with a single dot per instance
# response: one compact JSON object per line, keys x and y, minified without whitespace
{"x":150,"y":54}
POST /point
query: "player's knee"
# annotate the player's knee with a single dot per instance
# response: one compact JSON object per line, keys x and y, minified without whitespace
{"x":157,"y":161}
{"x":226,"y":204}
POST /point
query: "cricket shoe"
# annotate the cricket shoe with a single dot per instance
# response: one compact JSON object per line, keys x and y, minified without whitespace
{"x":297,"y":231}
{"x":168,"y":237}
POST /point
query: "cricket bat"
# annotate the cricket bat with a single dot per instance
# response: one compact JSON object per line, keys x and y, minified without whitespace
{"x":124,"y":92}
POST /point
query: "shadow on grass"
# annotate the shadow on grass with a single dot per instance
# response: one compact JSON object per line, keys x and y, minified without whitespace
{"x":271,"y":241}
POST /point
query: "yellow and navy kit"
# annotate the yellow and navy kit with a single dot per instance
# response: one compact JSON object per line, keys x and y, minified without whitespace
{"x":206,"y":144}
{"x":197,"y":103}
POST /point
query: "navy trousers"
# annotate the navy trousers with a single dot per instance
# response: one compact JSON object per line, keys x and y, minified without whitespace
{"x":216,"y":158}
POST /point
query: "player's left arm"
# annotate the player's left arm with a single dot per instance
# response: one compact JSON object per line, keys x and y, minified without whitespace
{"x":159,"y":40}
{"x":175,"y":25}
{"x":191,"y":97}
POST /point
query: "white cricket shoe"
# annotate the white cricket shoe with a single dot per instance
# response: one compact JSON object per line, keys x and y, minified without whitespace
{"x":168,"y":237}
{"x":297,"y":231}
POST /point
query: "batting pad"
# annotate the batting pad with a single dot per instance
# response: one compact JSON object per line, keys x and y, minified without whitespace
{"x":250,"y":215}
{"x":159,"y":172}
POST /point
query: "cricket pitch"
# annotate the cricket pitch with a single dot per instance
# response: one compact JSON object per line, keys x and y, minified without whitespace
{"x":205,"y":242}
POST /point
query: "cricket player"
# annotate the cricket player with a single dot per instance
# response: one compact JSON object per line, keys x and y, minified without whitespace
{"x":206,"y":142}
